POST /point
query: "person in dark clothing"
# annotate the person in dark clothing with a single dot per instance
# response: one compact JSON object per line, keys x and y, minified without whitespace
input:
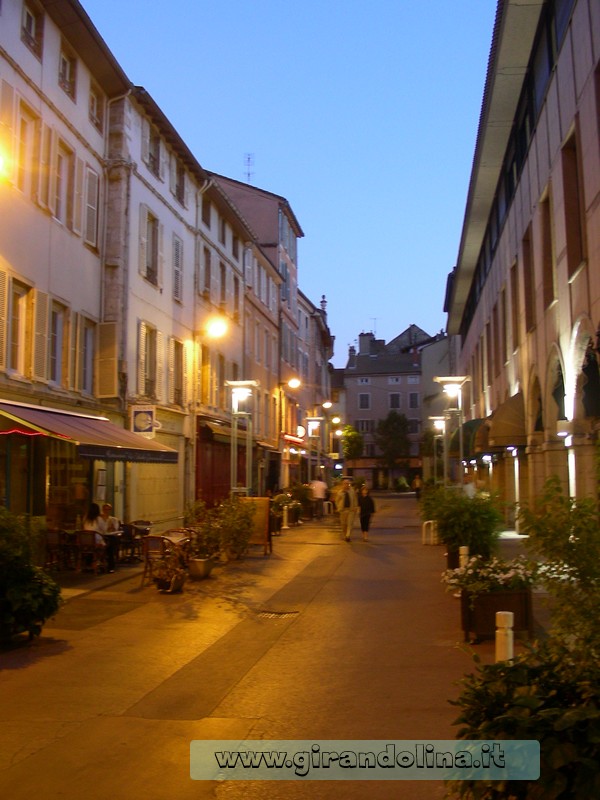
{"x":366,"y":510}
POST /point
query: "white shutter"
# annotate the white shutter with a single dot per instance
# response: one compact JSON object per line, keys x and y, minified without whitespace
{"x":91,"y":208}
{"x":172,"y":173}
{"x":143,"y":238}
{"x":107,"y":379}
{"x":188,"y":370}
{"x":78,"y":195}
{"x":52,"y":177}
{"x":43,"y":188}
{"x":75,"y":360}
{"x":161,"y":255}
{"x":141,"y":363}
{"x":160,"y":366}
{"x":171,"y":368}
{"x":177,"y":268}
{"x":40,"y":339}
{"x":7,"y":111}
{"x":3,"y":316}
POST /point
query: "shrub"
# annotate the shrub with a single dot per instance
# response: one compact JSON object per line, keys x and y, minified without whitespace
{"x":462,"y":520}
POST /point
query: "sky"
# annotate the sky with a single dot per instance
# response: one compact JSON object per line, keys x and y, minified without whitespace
{"x":363,"y":115}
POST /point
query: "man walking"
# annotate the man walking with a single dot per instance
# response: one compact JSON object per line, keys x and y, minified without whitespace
{"x":347,"y":505}
{"x":319,"y":493}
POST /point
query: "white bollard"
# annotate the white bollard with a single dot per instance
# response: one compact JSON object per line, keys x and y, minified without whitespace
{"x":504,"y":635}
{"x":284,"y":525}
{"x":463,"y":555}
{"x":429,"y":533}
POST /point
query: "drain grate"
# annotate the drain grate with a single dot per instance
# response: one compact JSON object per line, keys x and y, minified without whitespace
{"x":276,"y":614}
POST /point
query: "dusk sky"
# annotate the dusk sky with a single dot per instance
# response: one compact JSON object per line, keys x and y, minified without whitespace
{"x":363,"y":115}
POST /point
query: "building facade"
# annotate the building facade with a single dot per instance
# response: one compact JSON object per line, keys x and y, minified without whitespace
{"x":524,"y":299}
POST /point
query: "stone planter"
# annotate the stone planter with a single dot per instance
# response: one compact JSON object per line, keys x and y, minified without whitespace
{"x":478,"y":613}
{"x":199,"y":568}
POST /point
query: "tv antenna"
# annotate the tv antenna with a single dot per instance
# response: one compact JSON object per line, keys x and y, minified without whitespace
{"x":249,"y":163}
{"x":374,"y":319}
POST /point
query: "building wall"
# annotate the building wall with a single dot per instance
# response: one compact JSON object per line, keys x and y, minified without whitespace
{"x":539,"y":310}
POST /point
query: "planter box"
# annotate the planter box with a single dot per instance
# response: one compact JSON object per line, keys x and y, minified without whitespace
{"x":199,"y":568}
{"x":480,"y":620}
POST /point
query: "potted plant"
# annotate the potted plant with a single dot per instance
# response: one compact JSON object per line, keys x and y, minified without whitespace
{"x":28,"y":595}
{"x":203,"y":550}
{"x":170,"y":573}
{"x":473,"y":522}
{"x":234,"y":522}
{"x":488,"y":585}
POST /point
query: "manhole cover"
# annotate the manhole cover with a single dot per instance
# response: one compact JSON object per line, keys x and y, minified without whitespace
{"x":276,"y":614}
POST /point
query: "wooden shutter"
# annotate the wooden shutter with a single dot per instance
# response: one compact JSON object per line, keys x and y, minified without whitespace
{"x":91,"y":208}
{"x":40,"y":339}
{"x":171,"y":371}
{"x":142,"y":265}
{"x":188,"y":371}
{"x":107,"y":379}
{"x":7,"y":111}
{"x":3,"y":316}
{"x":75,"y":360}
{"x":160,"y":366}
{"x":141,"y":363}
{"x":78,"y":195}
{"x":177,"y":268}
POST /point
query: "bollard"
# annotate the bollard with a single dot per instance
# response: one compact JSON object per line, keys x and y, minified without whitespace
{"x":463,"y":555}
{"x":429,"y":534}
{"x":504,"y":635}
{"x":284,"y":523}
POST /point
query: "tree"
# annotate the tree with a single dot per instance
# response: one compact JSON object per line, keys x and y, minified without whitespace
{"x":391,"y":438}
{"x":352,"y":443}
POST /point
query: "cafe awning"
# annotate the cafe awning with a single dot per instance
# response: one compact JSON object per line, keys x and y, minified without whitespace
{"x":95,"y":437}
{"x":507,"y":424}
{"x":469,"y":432}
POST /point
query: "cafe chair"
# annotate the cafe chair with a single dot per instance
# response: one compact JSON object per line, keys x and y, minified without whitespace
{"x":131,"y":543}
{"x":90,"y":553}
{"x":154,"y":549}
{"x":55,"y":554}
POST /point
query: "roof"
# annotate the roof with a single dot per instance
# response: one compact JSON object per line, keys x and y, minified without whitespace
{"x":512,"y":42}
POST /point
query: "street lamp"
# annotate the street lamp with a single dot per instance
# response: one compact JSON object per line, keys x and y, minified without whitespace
{"x":439,"y":425}
{"x":313,"y":429}
{"x":452,"y":386}
{"x":241,"y":392}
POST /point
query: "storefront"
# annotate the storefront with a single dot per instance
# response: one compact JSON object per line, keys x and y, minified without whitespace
{"x":56,"y":462}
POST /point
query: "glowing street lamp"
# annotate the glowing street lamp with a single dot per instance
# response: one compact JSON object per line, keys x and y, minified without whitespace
{"x":452,"y":386}
{"x":241,"y":392}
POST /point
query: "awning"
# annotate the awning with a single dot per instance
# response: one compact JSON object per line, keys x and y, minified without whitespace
{"x":507,"y":424}
{"x":469,"y":432}
{"x":94,"y":437}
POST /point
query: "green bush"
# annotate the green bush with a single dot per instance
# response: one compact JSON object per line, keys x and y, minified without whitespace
{"x":462,"y":520}
{"x":28,"y":595}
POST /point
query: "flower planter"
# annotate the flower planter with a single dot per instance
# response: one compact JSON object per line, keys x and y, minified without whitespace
{"x":199,"y":568}
{"x":478,"y":612}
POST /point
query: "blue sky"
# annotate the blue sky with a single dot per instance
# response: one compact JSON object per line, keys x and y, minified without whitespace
{"x":362,"y":114}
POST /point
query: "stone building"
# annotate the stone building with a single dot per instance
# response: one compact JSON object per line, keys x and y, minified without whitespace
{"x":524,"y":299}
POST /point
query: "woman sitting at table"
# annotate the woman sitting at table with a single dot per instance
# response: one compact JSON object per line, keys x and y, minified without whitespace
{"x":93,"y":522}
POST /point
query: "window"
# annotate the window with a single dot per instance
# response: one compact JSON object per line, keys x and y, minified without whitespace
{"x":67,"y":72}
{"x":528,"y":281}
{"x":25,"y":151}
{"x":87,"y":352}
{"x":96,"y":107}
{"x":365,"y":425}
{"x":179,"y":181}
{"x":395,"y":400}
{"x":222,"y":230}
{"x":514,"y":306}
{"x":147,"y":360}
{"x":63,"y":185}
{"x":364,"y":380}
{"x":32,"y":29}
{"x":364,"y":401}
{"x":393,"y":379}
{"x":19,"y":327}
{"x":547,"y":254}
{"x":236,"y":297}
{"x":154,"y":152}
{"x":177,"y":268}
{"x":150,"y":245}
{"x":222,"y":285}
{"x":413,"y":379}
{"x":206,"y":212}
{"x":235,"y":248}
{"x":413,"y":400}
{"x":572,"y":190}
{"x":92,"y":189}
{"x":207,"y":273}
{"x":58,"y":345}
{"x":176,"y":372}
{"x":413,"y":426}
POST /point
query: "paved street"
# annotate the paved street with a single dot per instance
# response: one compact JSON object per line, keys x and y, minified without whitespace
{"x":321,"y":640}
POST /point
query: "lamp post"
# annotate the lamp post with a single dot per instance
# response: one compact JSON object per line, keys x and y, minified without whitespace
{"x":241,"y":392}
{"x":452,"y":386}
{"x":313,"y":429}
{"x":439,"y":425}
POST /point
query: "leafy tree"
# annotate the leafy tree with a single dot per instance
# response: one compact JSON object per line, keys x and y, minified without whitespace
{"x":352,"y":443}
{"x":391,"y":437}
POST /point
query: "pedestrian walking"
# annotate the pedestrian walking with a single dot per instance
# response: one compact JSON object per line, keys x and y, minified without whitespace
{"x":346,"y":504}
{"x":366,"y":506}
{"x":417,"y":485}
{"x":319,"y":494}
